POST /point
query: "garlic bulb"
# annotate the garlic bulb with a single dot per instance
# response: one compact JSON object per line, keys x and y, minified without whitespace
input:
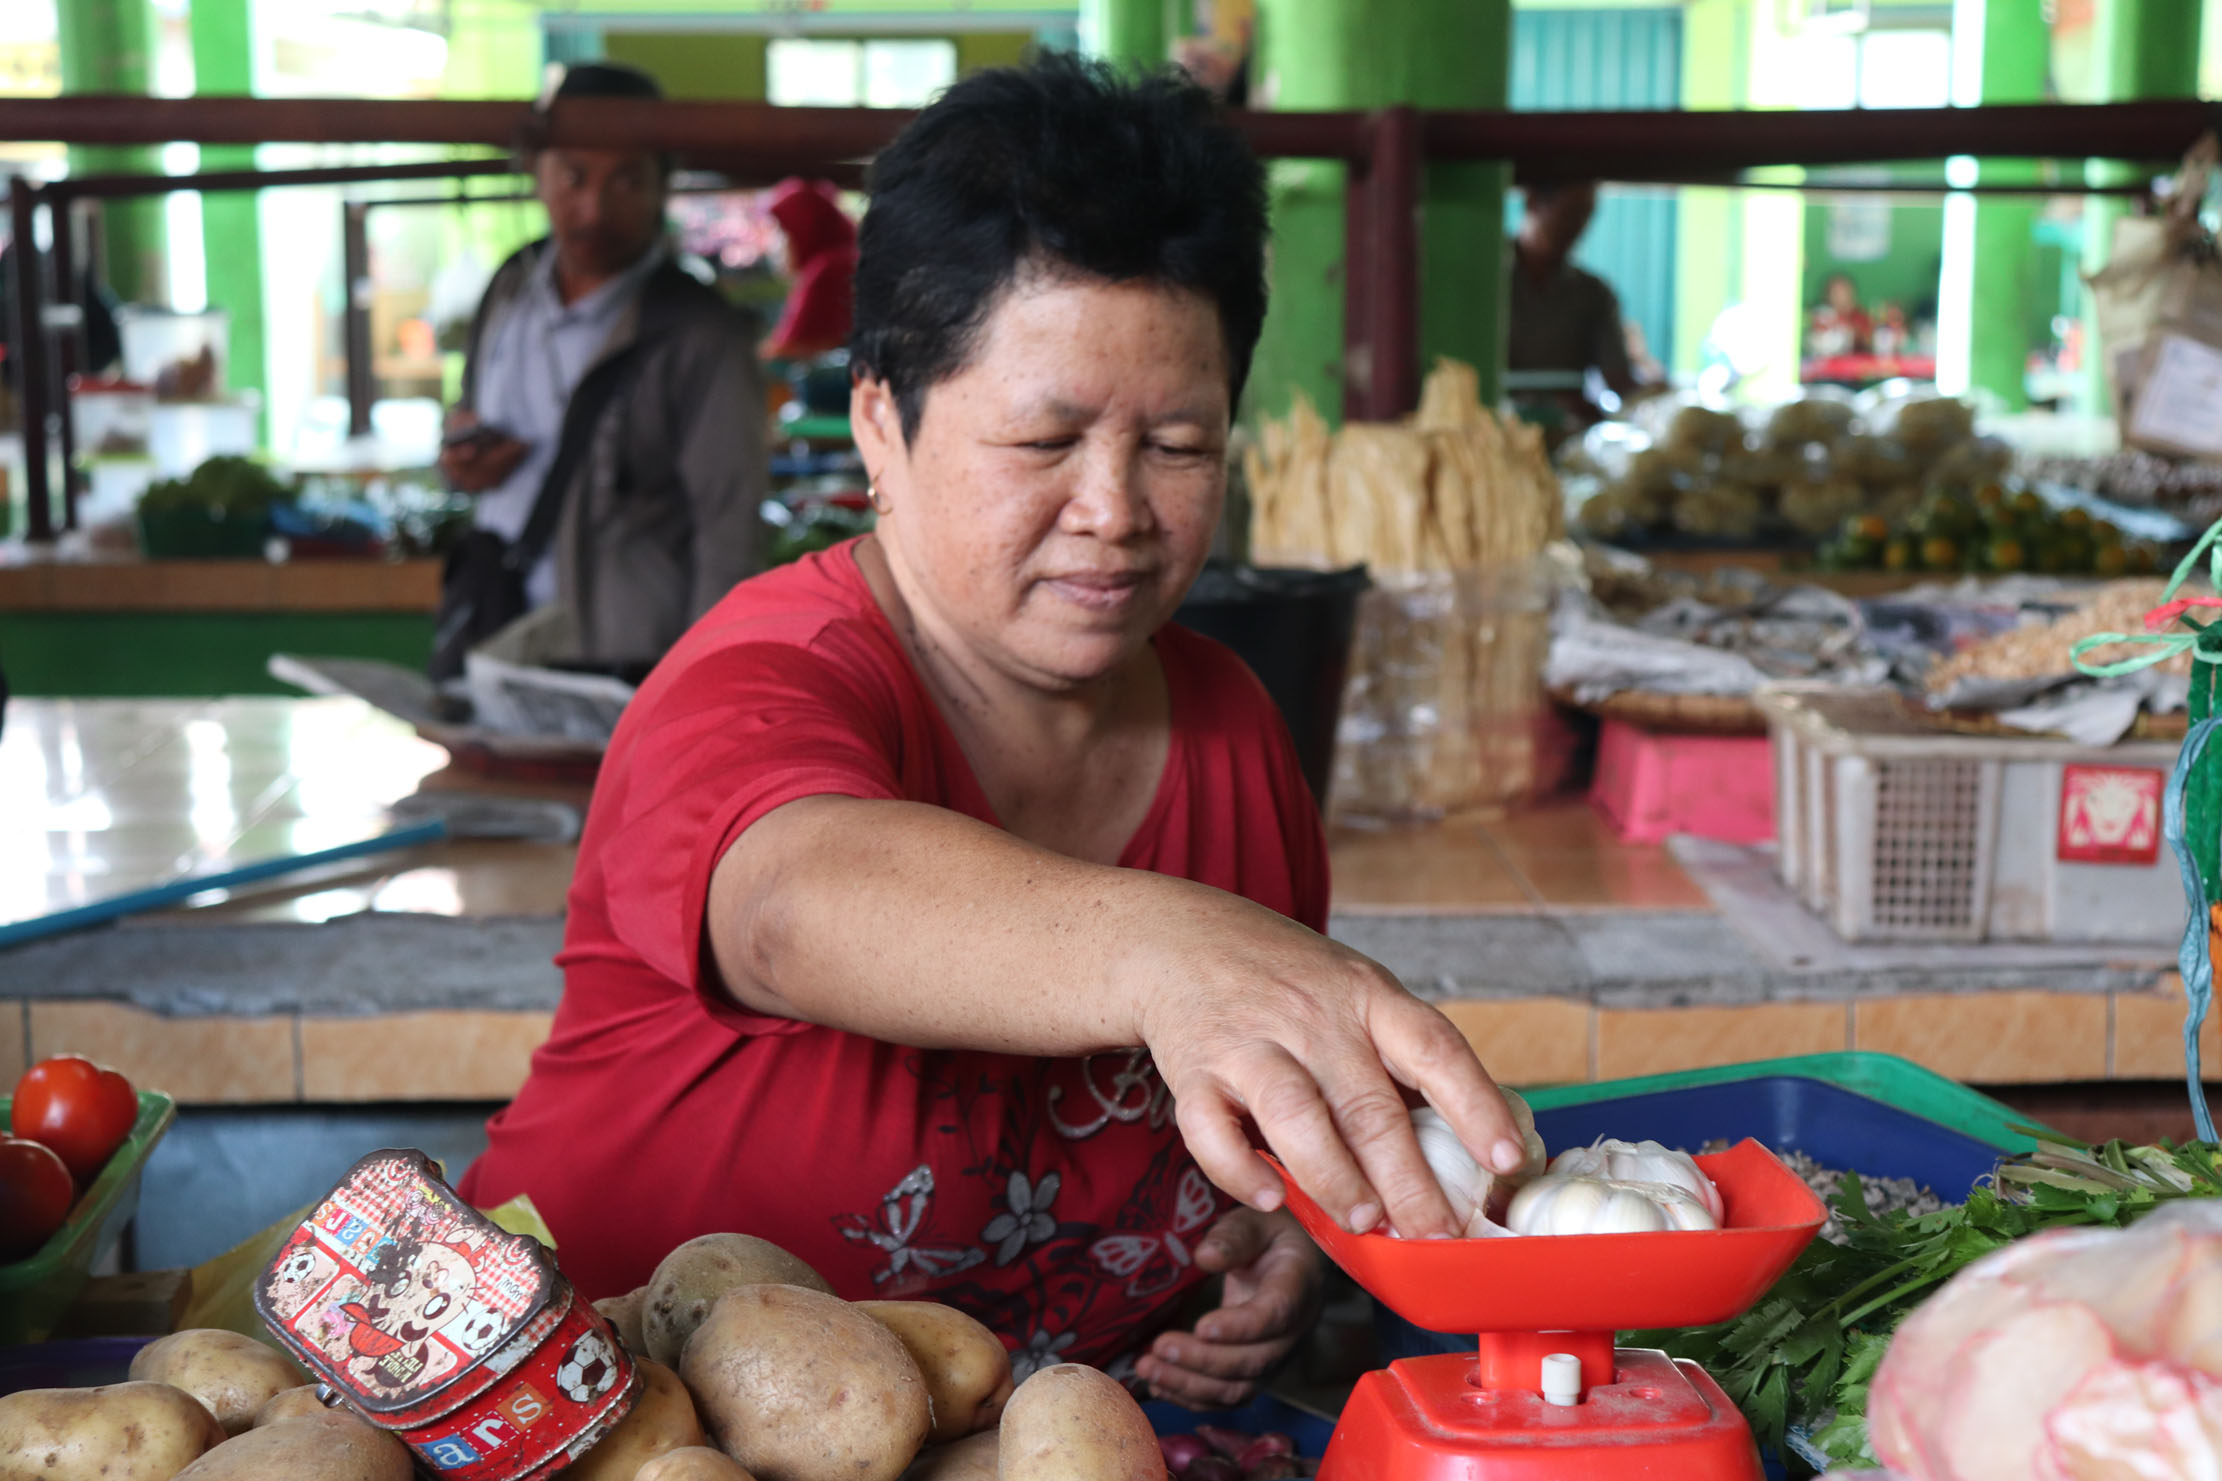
{"x":1563,"y":1203}
{"x":1477,"y":1195}
{"x":1641,"y":1162}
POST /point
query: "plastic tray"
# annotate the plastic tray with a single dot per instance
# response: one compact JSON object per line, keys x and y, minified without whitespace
{"x":1898,"y":1083}
{"x":36,"y":1290}
{"x":84,"y":1362}
{"x":1310,"y":1431}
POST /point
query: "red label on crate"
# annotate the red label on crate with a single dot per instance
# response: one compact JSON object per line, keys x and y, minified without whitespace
{"x":2109,"y":814}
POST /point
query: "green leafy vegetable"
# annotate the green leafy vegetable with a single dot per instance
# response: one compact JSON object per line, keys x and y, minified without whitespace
{"x":225,"y":486}
{"x":1804,"y":1356}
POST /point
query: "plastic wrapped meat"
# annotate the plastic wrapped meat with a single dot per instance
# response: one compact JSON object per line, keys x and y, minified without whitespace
{"x":2081,"y":1355}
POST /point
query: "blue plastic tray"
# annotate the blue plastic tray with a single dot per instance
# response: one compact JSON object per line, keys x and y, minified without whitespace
{"x":83,"y":1362}
{"x":1265,"y":1412}
{"x":1787,"y":1112}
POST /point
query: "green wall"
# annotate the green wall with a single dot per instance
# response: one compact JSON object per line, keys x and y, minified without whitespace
{"x":192,"y":653}
{"x":977,"y":50}
{"x":107,"y":46}
{"x":1345,"y":54}
{"x":731,"y":66}
{"x":231,"y":221}
{"x":728,"y":66}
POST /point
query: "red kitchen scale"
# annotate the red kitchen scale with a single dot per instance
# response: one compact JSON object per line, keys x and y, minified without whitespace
{"x":1548,"y":1397}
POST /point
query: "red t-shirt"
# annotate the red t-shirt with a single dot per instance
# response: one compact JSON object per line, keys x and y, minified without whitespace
{"x":1051,"y":1198}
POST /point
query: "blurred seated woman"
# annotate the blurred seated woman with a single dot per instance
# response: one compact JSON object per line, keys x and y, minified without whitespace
{"x":945,"y":914}
{"x":821,"y":257}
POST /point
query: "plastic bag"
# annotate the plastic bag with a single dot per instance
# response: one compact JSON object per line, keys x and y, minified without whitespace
{"x":2080,"y":1352}
{"x":1445,"y":710}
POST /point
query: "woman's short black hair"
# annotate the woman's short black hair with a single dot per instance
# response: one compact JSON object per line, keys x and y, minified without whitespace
{"x":1064,"y":165}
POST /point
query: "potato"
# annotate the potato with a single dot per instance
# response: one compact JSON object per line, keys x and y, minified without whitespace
{"x":797,"y":1385}
{"x":295,"y":1403}
{"x":332,"y":1447}
{"x":233,"y":1375}
{"x":623,"y":1313}
{"x":662,"y":1419}
{"x":966,"y":1368}
{"x":1072,"y":1423}
{"x":970,"y":1459}
{"x":693,"y":1463}
{"x":124,"y":1432}
{"x":694,"y":1275}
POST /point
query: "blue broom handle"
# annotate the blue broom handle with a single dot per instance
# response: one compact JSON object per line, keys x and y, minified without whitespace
{"x":429,"y":831}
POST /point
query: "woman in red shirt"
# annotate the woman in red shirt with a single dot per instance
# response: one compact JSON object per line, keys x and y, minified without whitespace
{"x":946,"y":916}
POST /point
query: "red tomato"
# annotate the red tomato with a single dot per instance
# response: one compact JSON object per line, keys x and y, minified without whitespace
{"x":80,"y":1109}
{"x":35,"y":1195}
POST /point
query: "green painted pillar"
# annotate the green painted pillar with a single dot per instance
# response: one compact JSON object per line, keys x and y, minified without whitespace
{"x":2147,"y":49}
{"x":1357,"y":54}
{"x":231,"y":226}
{"x":107,"y":46}
{"x":2001,"y":260}
{"x":1134,"y":33}
{"x":1708,"y":224}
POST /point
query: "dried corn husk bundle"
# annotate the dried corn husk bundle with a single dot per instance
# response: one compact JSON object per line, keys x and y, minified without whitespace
{"x":1450,"y":511}
{"x":1449,"y":488}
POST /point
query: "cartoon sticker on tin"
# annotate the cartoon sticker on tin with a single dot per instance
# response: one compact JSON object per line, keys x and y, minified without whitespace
{"x":394,"y":1286}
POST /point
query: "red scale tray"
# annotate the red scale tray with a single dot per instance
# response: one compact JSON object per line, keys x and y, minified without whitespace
{"x":1483,"y":1418}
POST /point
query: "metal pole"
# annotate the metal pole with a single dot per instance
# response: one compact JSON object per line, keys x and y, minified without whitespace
{"x":29,"y":346}
{"x":362,"y":384}
{"x":787,"y":139}
{"x":1358,"y":325}
{"x":1381,"y":274}
{"x":67,"y":315}
{"x":109,"y":187}
{"x":33,"y":385}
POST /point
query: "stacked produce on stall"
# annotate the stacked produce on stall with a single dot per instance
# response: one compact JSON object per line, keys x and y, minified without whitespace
{"x":1449,"y":511}
{"x":1987,"y":528}
{"x":1791,"y":475}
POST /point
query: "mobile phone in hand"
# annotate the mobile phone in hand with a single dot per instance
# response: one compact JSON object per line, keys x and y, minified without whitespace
{"x":478,"y":434}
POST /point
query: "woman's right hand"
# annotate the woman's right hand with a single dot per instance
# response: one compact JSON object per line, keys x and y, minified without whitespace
{"x":1251,"y":1017}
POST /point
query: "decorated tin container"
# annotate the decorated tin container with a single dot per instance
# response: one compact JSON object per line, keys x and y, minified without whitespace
{"x":428,"y":1320}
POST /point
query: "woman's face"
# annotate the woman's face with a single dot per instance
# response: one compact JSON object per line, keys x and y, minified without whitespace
{"x":1061,"y":491}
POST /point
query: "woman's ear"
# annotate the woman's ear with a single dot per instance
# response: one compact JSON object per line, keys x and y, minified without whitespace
{"x":876,"y":422}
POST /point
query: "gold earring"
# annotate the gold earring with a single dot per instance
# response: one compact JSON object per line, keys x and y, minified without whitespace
{"x":872,"y":496}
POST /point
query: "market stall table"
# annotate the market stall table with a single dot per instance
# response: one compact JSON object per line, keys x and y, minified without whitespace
{"x":426,"y":975}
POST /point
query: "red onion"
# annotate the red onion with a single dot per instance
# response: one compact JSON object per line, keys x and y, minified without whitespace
{"x":1181,"y":1452}
{"x":1229,"y":1443}
{"x":1264,"y":1448}
{"x":1213,"y":1468}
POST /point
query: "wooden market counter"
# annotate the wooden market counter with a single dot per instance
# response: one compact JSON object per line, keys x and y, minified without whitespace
{"x":426,"y":976}
{"x":122,"y":625}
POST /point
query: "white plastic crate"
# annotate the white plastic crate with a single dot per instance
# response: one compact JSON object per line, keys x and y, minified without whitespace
{"x":1893,"y":831}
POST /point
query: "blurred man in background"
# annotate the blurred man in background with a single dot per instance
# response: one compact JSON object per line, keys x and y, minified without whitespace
{"x":1564,"y":322}
{"x":611,"y":426}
